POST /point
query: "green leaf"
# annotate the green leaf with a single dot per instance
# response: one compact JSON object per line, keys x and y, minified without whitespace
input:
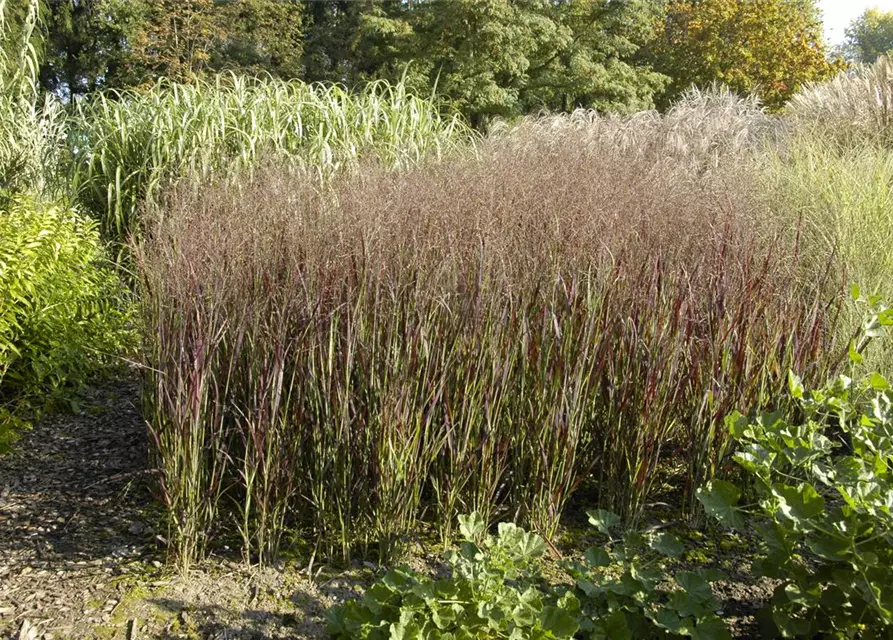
{"x":878,"y":382}
{"x":831,"y":548}
{"x":711,"y":628}
{"x":597,"y":557}
{"x":854,"y":355}
{"x":719,"y":500}
{"x":616,"y":626}
{"x":668,"y":619}
{"x":695,"y":586}
{"x":472,"y":526}
{"x":789,"y":626}
{"x":799,"y":503}
{"x":736,"y":424}
{"x":569,"y":602}
{"x":560,"y":623}
{"x":667,"y":544}
{"x":603,"y":520}
{"x":795,"y":385}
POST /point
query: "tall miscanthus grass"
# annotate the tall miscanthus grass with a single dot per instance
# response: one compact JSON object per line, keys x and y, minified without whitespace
{"x":129,"y":146}
{"x":853,"y":109}
{"x":559,"y":312}
{"x":32,"y":126}
{"x":703,"y":129}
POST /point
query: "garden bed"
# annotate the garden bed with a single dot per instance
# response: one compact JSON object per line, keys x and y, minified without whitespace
{"x":83,"y":555}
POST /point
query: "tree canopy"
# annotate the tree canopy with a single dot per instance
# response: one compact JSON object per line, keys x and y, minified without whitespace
{"x":486,"y":58}
{"x":869,"y":36}
{"x":503,"y":57}
{"x":771,"y":47}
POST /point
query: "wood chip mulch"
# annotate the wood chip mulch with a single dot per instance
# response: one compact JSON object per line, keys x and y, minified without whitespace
{"x":73,"y":525}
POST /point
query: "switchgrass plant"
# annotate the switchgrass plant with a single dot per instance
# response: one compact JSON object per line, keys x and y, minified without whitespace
{"x":128,"y":146}
{"x":494,"y":332}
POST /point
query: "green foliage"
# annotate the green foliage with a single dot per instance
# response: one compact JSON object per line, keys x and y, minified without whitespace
{"x":496,"y":589}
{"x":128,"y":147}
{"x":32,"y":131}
{"x":61,"y":308}
{"x":622,"y":592}
{"x":493,"y":58}
{"x":493,"y":592}
{"x":869,"y":36}
{"x":85,"y":46}
{"x":768,"y":47}
{"x":823,"y":487}
{"x":481,"y":57}
{"x":184,"y":40}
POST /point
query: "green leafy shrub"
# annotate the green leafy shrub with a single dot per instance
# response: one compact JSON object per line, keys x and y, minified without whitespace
{"x":623,"y":592}
{"x":823,"y":484}
{"x":496,"y":589}
{"x":62,"y":312}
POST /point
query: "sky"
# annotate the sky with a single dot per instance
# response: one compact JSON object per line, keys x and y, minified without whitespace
{"x":838,"y":14}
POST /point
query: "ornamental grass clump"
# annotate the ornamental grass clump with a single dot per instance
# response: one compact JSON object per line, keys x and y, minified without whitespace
{"x":855,"y":108}
{"x":556,"y":315}
{"x":127,"y":147}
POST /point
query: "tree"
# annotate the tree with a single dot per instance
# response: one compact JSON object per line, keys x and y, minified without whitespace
{"x":490,"y":57}
{"x":185,"y":39}
{"x":259,"y":36}
{"x":770,"y":47}
{"x":869,"y":36}
{"x":84,"y":47}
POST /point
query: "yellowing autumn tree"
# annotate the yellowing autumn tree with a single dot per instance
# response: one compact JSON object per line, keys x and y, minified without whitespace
{"x":770,"y":47}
